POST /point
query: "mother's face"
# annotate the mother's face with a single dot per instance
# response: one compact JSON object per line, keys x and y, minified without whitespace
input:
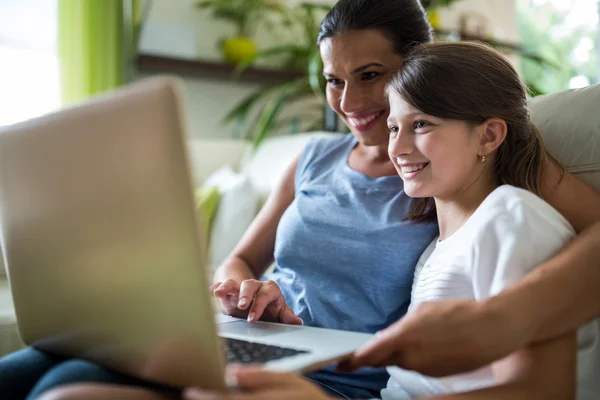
{"x":357,"y":65}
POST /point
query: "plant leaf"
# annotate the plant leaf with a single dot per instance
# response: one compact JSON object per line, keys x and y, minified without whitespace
{"x":315,"y":75}
{"x":242,"y":108}
{"x":274,"y":51}
{"x":268,"y":117}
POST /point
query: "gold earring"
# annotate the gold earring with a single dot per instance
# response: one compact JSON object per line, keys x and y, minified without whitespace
{"x":482,"y":159}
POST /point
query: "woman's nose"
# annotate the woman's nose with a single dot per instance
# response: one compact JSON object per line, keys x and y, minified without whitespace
{"x":353,"y":100}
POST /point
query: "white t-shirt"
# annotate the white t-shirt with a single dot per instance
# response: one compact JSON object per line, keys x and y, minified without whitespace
{"x":511,"y":232}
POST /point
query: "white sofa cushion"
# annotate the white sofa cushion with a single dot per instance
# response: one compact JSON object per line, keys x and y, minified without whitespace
{"x":238,"y":205}
{"x":266,"y":165}
{"x":208,"y":155}
{"x":570,"y":124}
{"x":9,"y":334}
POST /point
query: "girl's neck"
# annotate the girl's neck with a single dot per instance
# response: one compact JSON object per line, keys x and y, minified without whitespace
{"x":452,"y":213}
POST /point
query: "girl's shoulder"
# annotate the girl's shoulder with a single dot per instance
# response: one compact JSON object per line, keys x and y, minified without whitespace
{"x":522,"y":207}
{"x":509,"y":218}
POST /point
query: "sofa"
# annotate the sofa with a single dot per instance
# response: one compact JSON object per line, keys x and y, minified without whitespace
{"x":569,"y":121}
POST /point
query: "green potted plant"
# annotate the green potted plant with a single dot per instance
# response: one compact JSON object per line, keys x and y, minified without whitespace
{"x":263,"y":112}
{"x":246,"y":16}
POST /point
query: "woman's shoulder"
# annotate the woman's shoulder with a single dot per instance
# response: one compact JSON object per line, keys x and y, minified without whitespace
{"x":325,"y":145}
{"x":324,"y":152}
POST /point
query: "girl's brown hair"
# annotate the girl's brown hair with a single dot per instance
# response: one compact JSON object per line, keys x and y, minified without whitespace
{"x":471,"y":82}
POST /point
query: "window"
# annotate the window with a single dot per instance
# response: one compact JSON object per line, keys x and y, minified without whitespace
{"x":29,"y":71}
{"x":566,"y":34}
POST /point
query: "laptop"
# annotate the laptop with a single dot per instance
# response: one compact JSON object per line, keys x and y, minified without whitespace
{"x":104,"y":253}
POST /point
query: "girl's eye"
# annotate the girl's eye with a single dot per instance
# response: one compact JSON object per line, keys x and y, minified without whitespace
{"x":335,"y":82}
{"x":393,"y":132}
{"x":421,"y":124}
{"x":369,"y":76}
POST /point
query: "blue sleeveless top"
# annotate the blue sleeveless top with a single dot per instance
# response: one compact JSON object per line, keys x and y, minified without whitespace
{"x":345,"y":256}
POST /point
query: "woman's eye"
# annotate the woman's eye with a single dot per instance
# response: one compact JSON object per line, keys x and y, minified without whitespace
{"x":334,"y":82}
{"x":369,"y":76}
{"x":393,"y":131}
{"x":421,"y":124}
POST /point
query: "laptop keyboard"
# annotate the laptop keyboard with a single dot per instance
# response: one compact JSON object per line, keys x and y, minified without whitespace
{"x":243,"y":352}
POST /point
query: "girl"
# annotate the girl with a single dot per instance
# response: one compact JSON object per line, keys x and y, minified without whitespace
{"x":462,"y":141}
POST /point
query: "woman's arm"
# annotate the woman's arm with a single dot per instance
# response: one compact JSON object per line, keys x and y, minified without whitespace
{"x":542,"y":371}
{"x":236,"y":284}
{"x":577,"y":201}
{"x":254,"y":253}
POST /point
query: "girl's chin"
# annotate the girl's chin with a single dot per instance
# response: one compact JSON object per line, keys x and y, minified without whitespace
{"x":416,"y":193}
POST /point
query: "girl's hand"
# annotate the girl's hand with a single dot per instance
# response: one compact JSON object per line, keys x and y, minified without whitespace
{"x":254,"y":300}
{"x":441,"y":338}
{"x":257,"y":384}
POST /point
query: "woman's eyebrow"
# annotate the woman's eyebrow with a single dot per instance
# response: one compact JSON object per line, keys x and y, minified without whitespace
{"x":357,"y":70}
{"x":360,"y":69}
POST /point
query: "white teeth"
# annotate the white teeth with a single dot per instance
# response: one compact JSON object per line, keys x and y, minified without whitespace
{"x":413,"y":168}
{"x":363,"y":121}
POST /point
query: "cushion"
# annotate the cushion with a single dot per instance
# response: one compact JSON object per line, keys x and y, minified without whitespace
{"x":207,"y":201}
{"x":9,"y":333}
{"x":570,"y":124}
{"x":208,"y":155}
{"x":238,"y":205}
{"x":265,"y":165}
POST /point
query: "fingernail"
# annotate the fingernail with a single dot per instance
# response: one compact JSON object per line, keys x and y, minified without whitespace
{"x":231,"y":381}
{"x":192,"y":394}
{"x":243,"y":302}
{"x":251,"y":316}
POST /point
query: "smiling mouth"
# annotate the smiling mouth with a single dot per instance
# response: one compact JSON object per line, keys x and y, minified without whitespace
{"x":362,"y":123}
{"x":413,"y":169}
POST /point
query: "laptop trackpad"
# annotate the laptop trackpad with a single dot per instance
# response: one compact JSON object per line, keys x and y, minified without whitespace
{"x":255,"y":330}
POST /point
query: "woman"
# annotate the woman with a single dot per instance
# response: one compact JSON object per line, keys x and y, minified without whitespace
{"x":361,"y":43}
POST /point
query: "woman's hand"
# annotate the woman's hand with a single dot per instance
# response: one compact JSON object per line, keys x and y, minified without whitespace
{"x":441,"y":338}
{"x":256,"y":384}
{"x":254,"y":300}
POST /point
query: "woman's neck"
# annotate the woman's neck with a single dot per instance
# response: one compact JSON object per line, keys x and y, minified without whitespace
{"x":373,"y":161}
{"x":452,"y":213}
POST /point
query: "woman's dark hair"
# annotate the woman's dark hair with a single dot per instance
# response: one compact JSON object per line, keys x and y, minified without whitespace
{"x":403,"y":22}
{"x":471,"y":82}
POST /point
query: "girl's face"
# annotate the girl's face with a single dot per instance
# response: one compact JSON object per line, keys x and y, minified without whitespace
{"x":435,"y":157}
{"x":357,"y":66}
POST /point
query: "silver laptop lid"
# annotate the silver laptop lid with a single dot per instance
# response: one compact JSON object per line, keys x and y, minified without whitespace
{"x":100,"y":239}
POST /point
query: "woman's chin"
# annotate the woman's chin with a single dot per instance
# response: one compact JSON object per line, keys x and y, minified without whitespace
{"x":373,"y":137}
